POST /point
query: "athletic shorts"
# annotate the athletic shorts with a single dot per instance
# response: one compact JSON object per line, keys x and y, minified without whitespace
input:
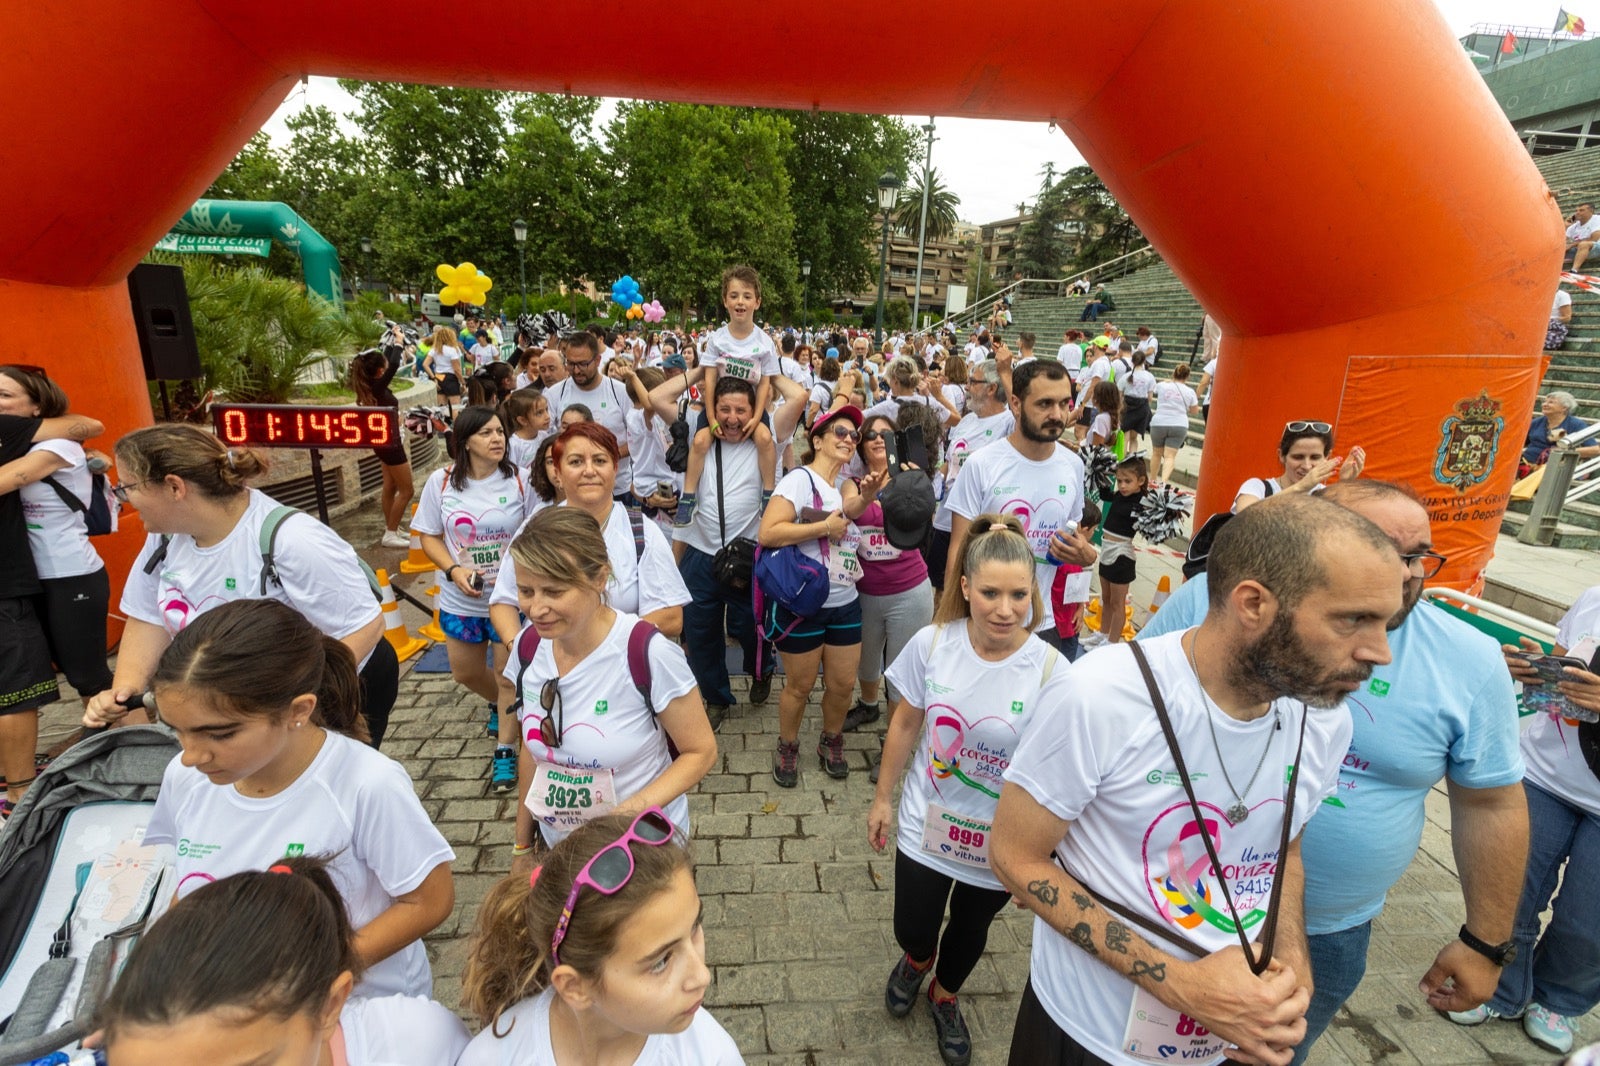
{"x":837,"y":627}
{"x":1168,"y":436}
{"x":392,"y":455}
{"x":27,"y":678}
{"x":468,"y":629}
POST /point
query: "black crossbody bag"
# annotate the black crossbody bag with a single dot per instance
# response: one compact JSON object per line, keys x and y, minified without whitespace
{"x":735,"y":561}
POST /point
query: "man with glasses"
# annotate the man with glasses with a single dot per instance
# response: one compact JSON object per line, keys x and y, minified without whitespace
{"x":605,"y":397}
{"x":1442,"y":709}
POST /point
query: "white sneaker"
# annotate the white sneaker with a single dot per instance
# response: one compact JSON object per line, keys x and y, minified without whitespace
{"x":1091,"y":640}
{"x":395,"y":539}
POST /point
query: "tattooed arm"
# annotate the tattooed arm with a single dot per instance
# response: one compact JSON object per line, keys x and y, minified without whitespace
{"x":1264,"y":1015}
{"x":69,"y":427}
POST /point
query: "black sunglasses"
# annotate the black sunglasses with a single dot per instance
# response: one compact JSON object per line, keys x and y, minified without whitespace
{"x":874,"y":434}
{"x":554,"y":723}
{"x":1301,"y":426}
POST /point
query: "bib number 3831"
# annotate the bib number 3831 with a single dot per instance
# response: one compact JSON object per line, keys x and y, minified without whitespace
{"x":564,"y":799}
{"x":1157,"y":1033}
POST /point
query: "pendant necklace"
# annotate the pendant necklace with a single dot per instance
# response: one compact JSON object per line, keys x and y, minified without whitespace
{"x":1238,"y":812}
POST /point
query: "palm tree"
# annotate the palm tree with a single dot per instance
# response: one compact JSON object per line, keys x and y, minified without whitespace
{"x":942,"y":203}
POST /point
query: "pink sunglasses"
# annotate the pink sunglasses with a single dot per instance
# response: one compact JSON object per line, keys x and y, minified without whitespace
{"x":612,"y":867}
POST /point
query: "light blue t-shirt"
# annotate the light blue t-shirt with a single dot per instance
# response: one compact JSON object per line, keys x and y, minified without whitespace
{"x":1444,"y":707}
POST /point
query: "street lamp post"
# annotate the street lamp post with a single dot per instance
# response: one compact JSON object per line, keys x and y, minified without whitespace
{"x":922,"y":226}
{"x":519,"y":233}
{"x":805,"y":301}
{"x":366,"y":263}
{"x":888,"y":192}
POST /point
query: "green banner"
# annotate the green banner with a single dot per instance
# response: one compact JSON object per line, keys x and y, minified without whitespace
{"x":206,"y":244}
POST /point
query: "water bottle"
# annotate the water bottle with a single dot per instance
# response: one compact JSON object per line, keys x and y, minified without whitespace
{"x":83,"y":1057}
{"x":1069,"y":529}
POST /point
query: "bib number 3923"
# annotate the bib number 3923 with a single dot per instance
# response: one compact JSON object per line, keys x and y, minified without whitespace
{"x":564,"y":798}
{"x":1157,"y":1033}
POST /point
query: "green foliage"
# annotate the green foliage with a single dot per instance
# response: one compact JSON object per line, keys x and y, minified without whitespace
{"x":942,"y":208}
{"x":258,"y":335}
{"x":1109,"y":230}
{"x":896,"y":313}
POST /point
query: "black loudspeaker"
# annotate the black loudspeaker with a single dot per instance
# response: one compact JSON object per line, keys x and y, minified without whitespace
{"x":161,"y":315}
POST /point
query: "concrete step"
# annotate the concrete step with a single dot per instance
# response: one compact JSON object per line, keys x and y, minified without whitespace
{"x":1571,"y":537}
{"x":1578,"y":513}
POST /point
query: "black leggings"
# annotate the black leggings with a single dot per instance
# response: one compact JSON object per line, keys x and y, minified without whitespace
{"x":920,"y":893}
{"x":380,"y":684}
{"x":1036,"y":1039}
{"x":73,"y":613}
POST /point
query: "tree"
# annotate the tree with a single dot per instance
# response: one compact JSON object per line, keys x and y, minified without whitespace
{"x":1043,"y":247}
{"x":1108,"y":230}
{"x":255,"y":173}
{"x":699,"y":188}
{"x":942,"y":204}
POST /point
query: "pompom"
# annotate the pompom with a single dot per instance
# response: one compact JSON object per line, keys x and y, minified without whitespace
{"x":1161,"y":514}
{"x":534,"y":328}
{"x":557,"y":324}
{"x":1099,"y":470}
{"x":424,"y":422}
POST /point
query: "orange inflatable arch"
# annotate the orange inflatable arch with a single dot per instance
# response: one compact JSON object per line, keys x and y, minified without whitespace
{"x":1334,"y":182}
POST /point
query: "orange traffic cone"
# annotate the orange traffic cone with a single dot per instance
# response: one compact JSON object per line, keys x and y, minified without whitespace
{"x":1163,"y":590}
{"x":433,"y":631}
{"x":417,"y":561}
{"x":394,"y":627}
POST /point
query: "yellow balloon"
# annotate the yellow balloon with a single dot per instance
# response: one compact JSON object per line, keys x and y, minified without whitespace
{"x":445,"y":273}
{"x":485,"y":283}
{"x":449,"y":295}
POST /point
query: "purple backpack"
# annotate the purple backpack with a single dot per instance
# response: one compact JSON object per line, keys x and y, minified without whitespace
{"x":792,"y":579}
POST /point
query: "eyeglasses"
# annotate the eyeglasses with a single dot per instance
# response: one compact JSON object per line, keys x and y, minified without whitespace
{"x":555,"y":719}
{"x":579,"y":366}
{"x":845,"y":433}
{"x":612,"y":867}
{"x":121,"y":491}
{"x":873,"y":434}
{"x":1432,"y":562}
{"x":1300,"y":426}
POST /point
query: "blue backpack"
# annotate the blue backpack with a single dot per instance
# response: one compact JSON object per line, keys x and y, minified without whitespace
{"x":788,"y":577}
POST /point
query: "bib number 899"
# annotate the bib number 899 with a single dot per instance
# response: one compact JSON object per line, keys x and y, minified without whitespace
{"x":970,"y":838}
{"x":562,"y":798}
{"x":1187,"y":1026}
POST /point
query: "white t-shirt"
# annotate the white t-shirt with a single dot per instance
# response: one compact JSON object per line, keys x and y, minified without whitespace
{"x":1563,"y":299}
{"x":319,"y":575}
{"x":605,"y":725}
{"x":1550,"y":745}
{"x":890,"y":407}
{"x":1099,"y":760}
{"x":802,"y":487}
{"x":1100,"y":429}
{"x":484,"y":354}
{"x":1098,"y":370}
{"x":522,"y":451}
{"x":1211,"y":379}
{"x":608,"y":402}
{"x":974,"y":713}
{"x":795,"y":371}
{"x":638,"y":584}
{"x":1148,"y":346}
{"x":525,"y":379}
{"x":1070,"y":356}
{"x":971,"y":433}
{"x":1582,"y":231}
{"x":1173,"y":400}
{"x":1122,"y":370}
{"x":1139,"y":385}
{"x":447,"y":360}
{"x":477,"y":523}
{"x":401,"y":1031}
{"x":647,"y":446}
{"x":957,"y":395}
{"x":58,"y":536}
{"x":1044,"y":494}
{"x":741,"y":487}
{"x":353,"y":805}
{"x":527,"y":1041}
{"x":750,"y":359}
{"x":1257,"y":487}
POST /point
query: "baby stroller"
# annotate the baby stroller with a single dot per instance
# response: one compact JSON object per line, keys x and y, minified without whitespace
{"x":79,"y":886}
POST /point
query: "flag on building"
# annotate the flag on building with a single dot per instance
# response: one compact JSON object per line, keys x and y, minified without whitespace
{"x":1508,"y":44}
{"x":1568,"y":23}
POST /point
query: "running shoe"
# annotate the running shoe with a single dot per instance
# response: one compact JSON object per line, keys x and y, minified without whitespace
{"x":1091,"y":640}
{"x":786,"y":764}
{"x":905,"y":980}
{"x":859,"y":715}
{"x":717,"y":713}
{"x":503,"y":770}
{"x":395,"y":539}
{"x":955,"y":1043}
{"x":760,"y":689}
{"x":1477,"y":1015}
{"x":1548,"y":1029}
{"x":830,"y":750}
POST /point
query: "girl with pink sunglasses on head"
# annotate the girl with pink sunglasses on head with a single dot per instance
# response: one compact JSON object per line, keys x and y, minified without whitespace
{"x":598,"y":956}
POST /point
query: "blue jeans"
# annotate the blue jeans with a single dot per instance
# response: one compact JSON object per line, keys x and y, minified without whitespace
{"x":711,"y":606}
{"x":1091,"y":311}
{"x":1561,"y":974}
{"x":1338,"y":962}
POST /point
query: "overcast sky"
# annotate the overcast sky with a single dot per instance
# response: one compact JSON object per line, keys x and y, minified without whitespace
{"x":1007,"y":170}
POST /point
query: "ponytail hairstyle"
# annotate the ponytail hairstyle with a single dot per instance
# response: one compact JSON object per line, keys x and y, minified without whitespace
{"x":252,"y":658}
{"x":366,"y":370}
{"x":991,"y":538}
{"x":269,"y":943}
{"x":217,"y":471}
{"x":508,"y":959}
{"x":903,"y":372}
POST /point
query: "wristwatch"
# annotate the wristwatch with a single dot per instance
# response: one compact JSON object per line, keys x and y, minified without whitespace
{"x":1499,"y":954}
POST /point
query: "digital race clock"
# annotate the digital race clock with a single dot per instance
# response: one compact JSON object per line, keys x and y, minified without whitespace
{"x":273,"y":425}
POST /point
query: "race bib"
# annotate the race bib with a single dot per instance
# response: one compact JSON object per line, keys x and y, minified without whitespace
{"x":735,"y":366}
{"x":875,"y":547}
{"x":564,"y":798}
{"x":1157,"y":1033}
{"x":956,"y":837}
{"x":484,"y":557}
{"x":844,"y":568}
